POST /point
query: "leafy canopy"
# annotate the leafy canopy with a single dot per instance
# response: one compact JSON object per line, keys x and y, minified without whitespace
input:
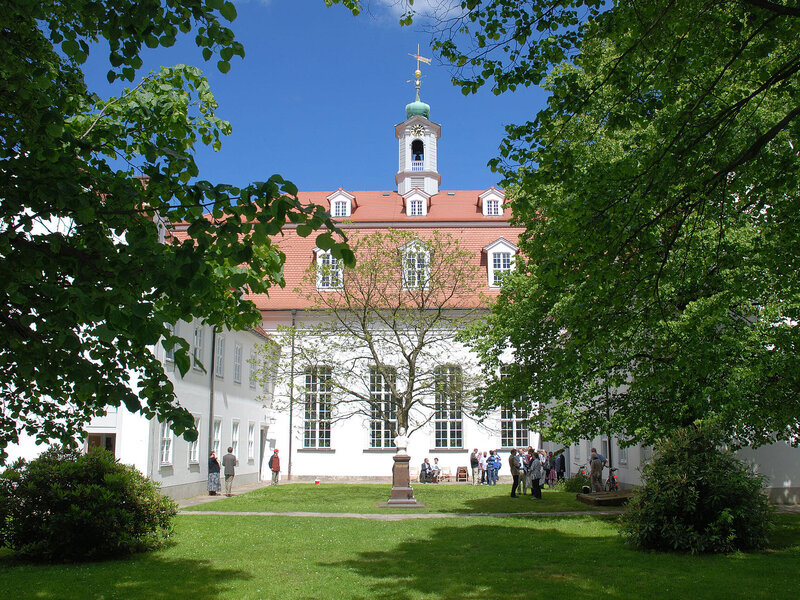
{"x":106,"y":234}
{"x":659,"y":191}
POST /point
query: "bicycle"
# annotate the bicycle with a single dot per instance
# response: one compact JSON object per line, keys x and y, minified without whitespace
{"x":611,"y":482}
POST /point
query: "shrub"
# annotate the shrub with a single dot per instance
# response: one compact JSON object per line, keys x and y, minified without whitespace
{"x":574,"y":484}
{"x":697,"y":497}
{"x":68,"y":506}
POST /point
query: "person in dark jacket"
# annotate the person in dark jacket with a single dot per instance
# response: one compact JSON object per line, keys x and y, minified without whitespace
{"x":561,"y":466}
{"x":213,"y":474}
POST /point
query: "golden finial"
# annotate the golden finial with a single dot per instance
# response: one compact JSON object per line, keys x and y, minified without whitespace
{"x":417,"y":72}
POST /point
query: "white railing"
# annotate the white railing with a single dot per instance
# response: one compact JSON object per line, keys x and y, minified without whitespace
{"x":416,"y":165}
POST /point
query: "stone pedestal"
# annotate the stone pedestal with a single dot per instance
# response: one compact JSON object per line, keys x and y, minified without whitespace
{"x":402,"y":492}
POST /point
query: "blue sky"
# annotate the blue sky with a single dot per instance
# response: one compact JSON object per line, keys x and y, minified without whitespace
{"x":318,"y":95}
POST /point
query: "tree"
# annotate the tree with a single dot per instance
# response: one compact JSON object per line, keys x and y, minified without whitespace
{"x":660,"y":192}
{"x":382,"y":344}
{"x":91,"y":191}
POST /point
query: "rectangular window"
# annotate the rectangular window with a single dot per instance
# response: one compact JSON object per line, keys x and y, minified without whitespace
{"x":604,"y":447}
{"x":166,"y":444}
{"x":382,"y":409}
{"x":448,"y":417}
{"x":493,"y":208}
{"x":623,"y":455}
{"x":216,"y":444}
{"x":415,"y":208}
{"x":317,"y":425}
{"x":219,"y":368}
{"x":251,"y":441}
{"x":501,"y":264}
{"x":340,"y":208}
{"x":237,"y":363}
{"x":329,"y":272}
{"x":194,"y":447}
{"x":170,"y":352}
{"x":199,"y":350}
{"x":416,"y":268}
{"x":235,"y":438}
{"x":513,"y":428}
{"x":253,"y":369}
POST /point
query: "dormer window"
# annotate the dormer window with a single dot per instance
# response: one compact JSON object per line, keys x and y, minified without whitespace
{"x":500,"y":259}
{"x":491,"y":202}
{"x":416,"y":261}
{"x":329,"y":271}
{"x":341,"y":203}
{"x":416,"y":201}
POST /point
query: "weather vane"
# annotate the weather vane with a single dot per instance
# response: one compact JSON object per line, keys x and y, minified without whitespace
{"x":418,"y":73}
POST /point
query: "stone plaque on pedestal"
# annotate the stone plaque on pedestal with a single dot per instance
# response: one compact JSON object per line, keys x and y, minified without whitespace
{"x":402,"y":492}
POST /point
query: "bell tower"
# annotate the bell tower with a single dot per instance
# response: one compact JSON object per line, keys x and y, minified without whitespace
{"x":417,"y":138}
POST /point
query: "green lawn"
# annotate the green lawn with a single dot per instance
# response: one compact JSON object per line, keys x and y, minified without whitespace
{"x":482,"y":558}
{"x":366,"y":498}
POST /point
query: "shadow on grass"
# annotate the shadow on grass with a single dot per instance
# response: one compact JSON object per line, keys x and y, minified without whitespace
{"x":142,"y":576}
{"x":579,"y":558}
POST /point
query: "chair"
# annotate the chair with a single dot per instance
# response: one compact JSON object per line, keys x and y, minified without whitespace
{"x":462,"y":474}
{"x":413,"y":473}
{"x":446,"y":474}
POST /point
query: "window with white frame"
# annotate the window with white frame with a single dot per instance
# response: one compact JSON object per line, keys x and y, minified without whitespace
{"x":216,"y":443}
{"x":194,"y":447}
{"x":622,"y":454}
{"x":514,"y":431}
{"x":415,"y":208}
{"x":165,"y":456}
{"x":329,"y":271}
{"x":170,"y":351}
{"x":416,"y":265}
{"x":493,"y":208}
{"x":501,"y":264}
{"x":253,"y":369}
{"x":448,"y":418}
{"x":237,"y":363}
{"x":251,"y":441}
{"x":492,"y":202}
{"x":219,"y":368}
{"x":199,"y":348}
{"x":645,"y":454}
{"x":340,"y":208}
{"x":235,"y":438}
{"x":383,"y":410}
{"x":317,"y":401}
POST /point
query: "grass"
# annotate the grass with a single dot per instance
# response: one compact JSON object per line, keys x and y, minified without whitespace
{"x":337,"y":498}
{"x":481,"y":558}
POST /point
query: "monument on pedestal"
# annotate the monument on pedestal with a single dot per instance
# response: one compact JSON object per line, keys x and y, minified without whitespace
{"x":402,"y":493}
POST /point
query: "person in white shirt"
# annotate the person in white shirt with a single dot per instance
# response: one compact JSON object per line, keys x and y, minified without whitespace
{"x":437,"y":470}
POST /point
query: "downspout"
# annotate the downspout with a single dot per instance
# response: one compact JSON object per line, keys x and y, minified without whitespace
{"x":291,"y":397}
{"x":211,"y":391}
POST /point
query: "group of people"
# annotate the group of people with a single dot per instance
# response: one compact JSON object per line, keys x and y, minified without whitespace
{"x":430,"y":473}
{"x":229,"y":464}
{"x":530,"y":469}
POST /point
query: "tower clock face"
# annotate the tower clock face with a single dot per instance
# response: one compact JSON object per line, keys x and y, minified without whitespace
{"x":418,"y":130}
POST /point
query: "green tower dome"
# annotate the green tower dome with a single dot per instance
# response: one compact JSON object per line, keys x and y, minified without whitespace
{"x":418,"y":108}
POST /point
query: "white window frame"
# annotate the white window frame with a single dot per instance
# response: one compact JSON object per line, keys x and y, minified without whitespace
{"x":493,"y":208}
{"x":167,"y":445}
{"x":219,"y":357}
{"x":199,"y":348}
{"x":251,"y":440}
{"x":341,"y":203}
{"x":317,"y":408}
{"x":496,"y":266}
{"x":253,"y":369}
{"x":622,"y":454}
{"x":238,"y":351}
{"x":492,"y":202}
{"x":416,"y":208}
{"x":330,"y":271}
{"x":416,"y":265}
{"x":380,"y":392}
{"x":216,"y":442}
{"x":193,"y":450}
{"x":235,"y":433}
{"x":169,"y":353}
{"x":340,"y":208}
{"x":448,"y":411}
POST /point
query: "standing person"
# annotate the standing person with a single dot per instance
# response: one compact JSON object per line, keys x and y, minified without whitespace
{"x":543,"y":460}
{"x":475,"y":463}
{"x":229,"y":463}
{"x":275,"y":466}
{"x":596,"y":470}
{"x":535,"y":473}
{"x":483,"y":465}
{"x":514,"y":465}
{"x":524,"y":462}
{"x":491,"y":469}
{"x":561,"y":466}
{"x":497,"y":463}
{"x":213,"y":474}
